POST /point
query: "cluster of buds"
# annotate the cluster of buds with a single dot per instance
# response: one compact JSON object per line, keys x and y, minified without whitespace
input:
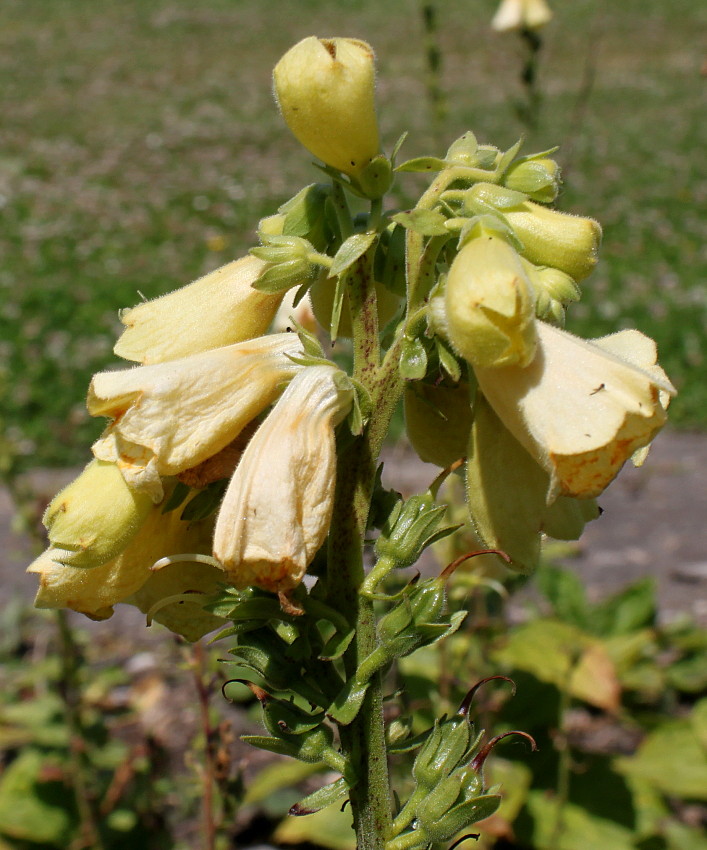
{"x":449,"y":793}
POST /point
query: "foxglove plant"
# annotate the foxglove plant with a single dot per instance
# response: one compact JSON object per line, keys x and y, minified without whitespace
{"x":235,"y":461}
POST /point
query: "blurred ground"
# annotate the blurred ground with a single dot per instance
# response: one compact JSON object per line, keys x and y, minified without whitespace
{"x":653,"y":524}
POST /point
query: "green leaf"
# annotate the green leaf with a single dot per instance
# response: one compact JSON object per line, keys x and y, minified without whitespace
{"x":32,"y":809}
{"x":205,"y":502}
{"x":177,"y":496}
{"x":672,"y":759}
{"x":274,"y":777}
{"x":325,"y":796}
{"x":347,"y":704}
{"x":350,"y":251}
{"x":330,"y":828}
{"x":580,"y":829}
{"x":425,"y":222}
{"x":632,"y":609}
{"x":565,"y":592}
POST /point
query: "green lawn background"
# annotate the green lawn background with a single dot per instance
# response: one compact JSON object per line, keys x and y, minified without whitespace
{"x":139,"y":145}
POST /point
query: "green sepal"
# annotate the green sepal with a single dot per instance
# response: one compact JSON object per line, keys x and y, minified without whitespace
{"x":397,"y":146}
{"x":351,"y":250}
{"x":305,"y":215}
{"x":508,"y":157}
{"x":411,"y":529}
{"x":413,"y":359}
{"x":176,"y":497}
{"x":447,"y":360}
{"x":424,"y":222}
{"x":463,"y":150}
{"x":461,"y":816}
{"x":283,"y":275}
{"x":423,"y":163}
{"x":206,"y":502}
{"x":361,"y":409}
{"x":321,"y":798}
{"x":432,"y":632}
{"x":499,"y":197}
{"x":407,"y":745}
{"x":488,"y":222}
{"x":310,"y":343}
{"x":283,"y":717}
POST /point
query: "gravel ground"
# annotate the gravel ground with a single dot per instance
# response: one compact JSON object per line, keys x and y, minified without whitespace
{"x":654,"y":523}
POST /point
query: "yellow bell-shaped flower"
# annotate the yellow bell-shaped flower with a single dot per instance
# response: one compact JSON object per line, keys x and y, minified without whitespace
{"x":169,"y":417}
{"x":219,"y":309}
{"x":277,"y":509}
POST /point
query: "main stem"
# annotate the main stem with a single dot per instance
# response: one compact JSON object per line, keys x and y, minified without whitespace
{"x":363,"y":741}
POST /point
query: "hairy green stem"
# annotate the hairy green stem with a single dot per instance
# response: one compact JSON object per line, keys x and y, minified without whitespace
{"x":363,"y":741}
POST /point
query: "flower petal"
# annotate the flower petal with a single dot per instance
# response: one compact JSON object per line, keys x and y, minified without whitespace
{"x":579,"y":409}
{"x":94,"y":591}
{"x":220,"y":308}
{"x":171,"y":416}
{"x":277,"y":509}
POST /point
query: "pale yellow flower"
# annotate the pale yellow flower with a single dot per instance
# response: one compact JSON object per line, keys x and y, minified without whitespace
{"x":581,"y":409}
{"x":169,"y":417}
{"x":490,"y":305}
{"x":94,"y":517}
{"x":507,"y":494}
{"x":325,"y":88}
{"x":95,"y":591}
{"x":516,"y":14}
{"x":218,"y":309}
{"x":277,"y":509}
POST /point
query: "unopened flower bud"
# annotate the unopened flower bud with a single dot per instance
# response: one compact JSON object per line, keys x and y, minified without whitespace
{"x":96,"y":516}
{"x":538,"y":178}
{"x":490,"y":305}
{"x":552,"y":238}
{"x":325,"y":89}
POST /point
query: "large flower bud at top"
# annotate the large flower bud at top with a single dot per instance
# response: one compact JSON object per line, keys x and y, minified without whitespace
{"x":325,"y":90}
{"x":490,"y":305}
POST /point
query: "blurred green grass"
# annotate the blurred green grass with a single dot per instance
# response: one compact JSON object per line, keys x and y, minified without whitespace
{"x":139,"y":145}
